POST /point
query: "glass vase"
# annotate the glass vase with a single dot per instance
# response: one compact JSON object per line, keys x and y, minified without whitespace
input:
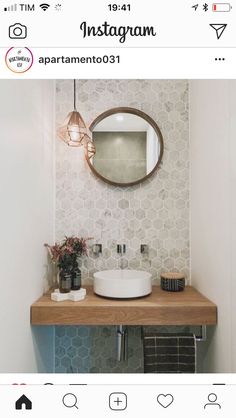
{"x":76,"y":279}
{"x":64,"y":282}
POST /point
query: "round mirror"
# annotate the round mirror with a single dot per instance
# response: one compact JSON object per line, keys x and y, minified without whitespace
{"x":129,"y":146}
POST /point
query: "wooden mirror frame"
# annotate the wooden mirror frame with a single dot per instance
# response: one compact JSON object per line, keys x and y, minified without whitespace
{"x":144,"y":116}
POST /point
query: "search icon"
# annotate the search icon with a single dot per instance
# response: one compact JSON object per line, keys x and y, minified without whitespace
{"x":70,"y":400}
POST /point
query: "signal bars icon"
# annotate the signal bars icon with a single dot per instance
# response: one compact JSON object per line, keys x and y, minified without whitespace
{"x":12,"y":8}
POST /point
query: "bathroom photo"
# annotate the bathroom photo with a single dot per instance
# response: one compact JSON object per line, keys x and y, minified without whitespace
{"x":118,"y":232}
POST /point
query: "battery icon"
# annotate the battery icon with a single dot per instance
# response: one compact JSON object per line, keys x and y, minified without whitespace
{"x":221,"y":7}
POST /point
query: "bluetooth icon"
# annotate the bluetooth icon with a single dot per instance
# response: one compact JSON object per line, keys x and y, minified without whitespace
{"x":205,"y":7}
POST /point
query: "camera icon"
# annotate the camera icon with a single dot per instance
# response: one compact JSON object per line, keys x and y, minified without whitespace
{"x":17,"y":31}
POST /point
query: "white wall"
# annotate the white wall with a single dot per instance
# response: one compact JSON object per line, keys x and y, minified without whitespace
{"x":27,"y":214}
{"x":213,"y":191}
{"x":232,"y":133}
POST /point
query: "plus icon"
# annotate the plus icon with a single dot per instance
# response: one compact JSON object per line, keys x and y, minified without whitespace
{"x":118,"y":401}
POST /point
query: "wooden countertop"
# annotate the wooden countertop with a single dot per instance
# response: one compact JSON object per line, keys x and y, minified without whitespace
{"x":160,"y":308}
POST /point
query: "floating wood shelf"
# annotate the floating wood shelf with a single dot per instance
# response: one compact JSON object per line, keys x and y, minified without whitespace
{"x":160,"y":308}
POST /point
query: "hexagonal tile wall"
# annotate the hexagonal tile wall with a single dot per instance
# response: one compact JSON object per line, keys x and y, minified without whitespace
{"x":155,"y":212}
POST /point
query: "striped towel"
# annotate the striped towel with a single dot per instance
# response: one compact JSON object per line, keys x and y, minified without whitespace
{"x":169,"y":353}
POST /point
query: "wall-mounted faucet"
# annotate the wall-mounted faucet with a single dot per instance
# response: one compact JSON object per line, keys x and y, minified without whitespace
{"x":121,"y":249}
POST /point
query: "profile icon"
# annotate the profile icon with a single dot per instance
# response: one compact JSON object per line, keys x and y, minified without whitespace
{"x":212,"y":398}
{"x":19,"y":60}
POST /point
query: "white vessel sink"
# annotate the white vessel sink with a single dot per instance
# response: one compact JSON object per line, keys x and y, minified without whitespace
{"x":122,"y":284}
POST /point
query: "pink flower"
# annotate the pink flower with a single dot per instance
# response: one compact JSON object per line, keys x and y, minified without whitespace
{"x":69,"y":246}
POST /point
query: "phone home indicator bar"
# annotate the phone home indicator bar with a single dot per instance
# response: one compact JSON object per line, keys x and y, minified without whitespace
{"x":221,"y":7}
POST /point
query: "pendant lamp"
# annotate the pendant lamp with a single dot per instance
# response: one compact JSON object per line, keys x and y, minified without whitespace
{"x":74,"y":131}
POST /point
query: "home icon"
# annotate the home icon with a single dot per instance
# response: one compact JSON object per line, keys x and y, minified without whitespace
{"x":23,"y":403}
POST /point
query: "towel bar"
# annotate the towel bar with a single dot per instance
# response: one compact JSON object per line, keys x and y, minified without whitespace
{"x":201,"y":337}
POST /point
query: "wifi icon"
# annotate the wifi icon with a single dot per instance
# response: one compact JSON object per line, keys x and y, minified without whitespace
{"x":44,"y":6}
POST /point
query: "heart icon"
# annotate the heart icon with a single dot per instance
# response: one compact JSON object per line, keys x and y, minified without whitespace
{"x":165,"y":400}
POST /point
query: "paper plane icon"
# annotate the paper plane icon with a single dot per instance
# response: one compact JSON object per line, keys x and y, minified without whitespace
{"x":219,"y":28}
{"x":195,"y":7}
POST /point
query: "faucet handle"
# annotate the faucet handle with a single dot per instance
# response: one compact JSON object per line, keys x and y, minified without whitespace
{"x":118,"y":249}
{"x":97,"y":249}
{"x":121,"y":248}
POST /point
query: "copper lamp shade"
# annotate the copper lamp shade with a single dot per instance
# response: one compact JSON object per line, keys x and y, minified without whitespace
{"x":74,"y":131}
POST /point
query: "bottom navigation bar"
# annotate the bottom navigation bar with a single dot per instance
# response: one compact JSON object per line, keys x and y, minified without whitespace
{"x":106,"y":400}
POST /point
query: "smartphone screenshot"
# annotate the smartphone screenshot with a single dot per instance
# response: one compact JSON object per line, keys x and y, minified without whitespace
{"x":118,"y":202}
